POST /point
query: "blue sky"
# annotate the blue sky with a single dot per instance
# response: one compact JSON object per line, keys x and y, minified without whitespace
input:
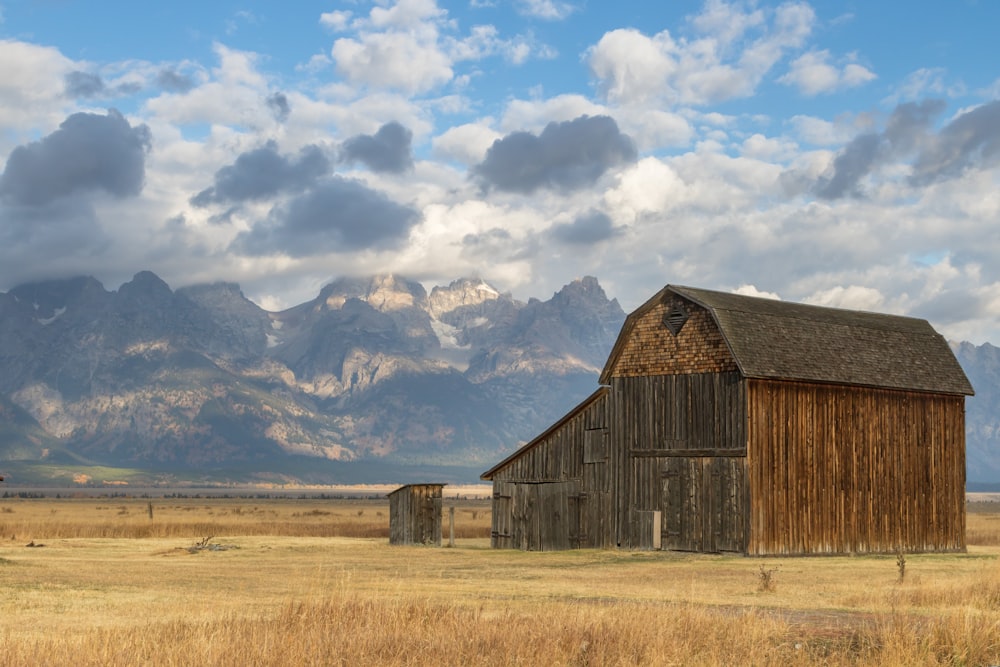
{"x":839,"y":153}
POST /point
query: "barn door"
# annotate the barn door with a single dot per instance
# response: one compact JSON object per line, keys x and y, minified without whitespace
{"x":546,"y":516}
{"x":683,"y":510}
{"x":702,"y":500}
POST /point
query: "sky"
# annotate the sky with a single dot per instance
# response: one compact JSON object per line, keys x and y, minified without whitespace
{"x":840,"y":153}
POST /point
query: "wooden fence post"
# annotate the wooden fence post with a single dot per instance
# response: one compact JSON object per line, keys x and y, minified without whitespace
{"x":451,"y":526}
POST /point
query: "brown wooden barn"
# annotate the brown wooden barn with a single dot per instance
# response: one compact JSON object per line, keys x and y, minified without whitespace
{"x":415,"y":514}
{"x":728,"y":423}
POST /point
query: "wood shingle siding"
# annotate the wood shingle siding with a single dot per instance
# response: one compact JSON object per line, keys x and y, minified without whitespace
{"x":734,"y":423}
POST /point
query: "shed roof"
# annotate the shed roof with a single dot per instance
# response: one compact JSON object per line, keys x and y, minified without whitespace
{"x":772,"y":339}
{"x":410,"y":486}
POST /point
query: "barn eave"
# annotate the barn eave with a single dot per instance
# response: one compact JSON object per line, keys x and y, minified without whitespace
{"x":601,"y":391}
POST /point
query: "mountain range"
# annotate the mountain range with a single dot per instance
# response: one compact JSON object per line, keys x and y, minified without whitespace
{"x":376,"y":379}
{"x":373,"y":378}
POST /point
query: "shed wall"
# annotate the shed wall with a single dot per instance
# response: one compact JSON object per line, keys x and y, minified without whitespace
{"x":576,"y":453}
{"x":836,"y":469}
{"x":415,"y":515}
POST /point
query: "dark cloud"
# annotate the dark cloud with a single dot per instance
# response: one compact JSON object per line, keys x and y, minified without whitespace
{"x":336,"y":216}
{"x":590,"y":228}
{"x":388,"y":150}
{"x":263,"y":173}
{"x":488,"y":239}
{"x":970,"y":141}
{"x":278,"y":103}
{"x":910,"y":124}
{"x":88,"y":152}
{"x":908,"y":128}
{"x":849,"y":167}
{"x":565,"y":156}
{"x":83,"y":84}
{"x":174,"y":81}
{"x":55,"y":238}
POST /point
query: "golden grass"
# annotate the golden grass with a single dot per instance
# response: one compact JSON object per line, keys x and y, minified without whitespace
{"x":297,"y":597}
{"x":30,"y":519}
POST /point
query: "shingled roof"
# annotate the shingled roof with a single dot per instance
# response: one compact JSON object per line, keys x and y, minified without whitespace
{"x":771,"y":339}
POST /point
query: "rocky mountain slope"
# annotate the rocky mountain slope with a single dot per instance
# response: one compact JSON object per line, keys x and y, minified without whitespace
{"x":372,"y":378}
{"x":982,"y":413}
{"x":370,"y":370}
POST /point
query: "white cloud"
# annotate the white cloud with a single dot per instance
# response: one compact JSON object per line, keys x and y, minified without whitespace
{"x":649,"y":186}
{"x":465,"y":143}
{"x":31,"y":93}
{"x":813,"y":74}
{"x":233,"y":94}
{"x":410,"y":46}
{"x":400,"y":61}
{"x":336,"y":20}
{"x":725,"y":61}
{"x":853,"y":297}
{"x":922,"y":83}
{"x":759,"y":147}
{"x":822,"y":132}
{"x":751,"y":290}
{"x":534,"y":115}
{"x":550,"y":10}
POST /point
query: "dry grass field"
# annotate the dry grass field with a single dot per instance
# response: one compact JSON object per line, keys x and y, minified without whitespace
{"x":306,"y":581}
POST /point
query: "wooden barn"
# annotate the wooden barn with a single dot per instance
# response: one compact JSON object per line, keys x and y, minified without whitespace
{"x":415,"y":514}
{"x":728,"y":423}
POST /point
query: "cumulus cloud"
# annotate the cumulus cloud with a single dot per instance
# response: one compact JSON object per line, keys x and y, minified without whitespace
{"x":263,"y":173}
{"x":388,"y":150}
{"x":397,"y":61}
{"x":565,"y":156}
{"x":338,"y":215}
{"x":88,"y":152}
{"x":853,"y":297}
{"x":727,"y":57}
{"x":465,"y":143}
{"x":411,"y":46}
{"x":35,"y":90}
{"x":813,"y":74}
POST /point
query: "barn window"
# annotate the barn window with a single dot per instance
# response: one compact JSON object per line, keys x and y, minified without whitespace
{"x":675,"y":319}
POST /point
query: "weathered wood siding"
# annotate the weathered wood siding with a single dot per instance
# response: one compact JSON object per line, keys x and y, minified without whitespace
{"x":542,"y":516}
{"x":415,"y":514}
{"x":562,"y":475}
{"x":835,"y":469}
{"x":680,"y":448}
{"x":651,"y":349}
{"x":679,"y":413}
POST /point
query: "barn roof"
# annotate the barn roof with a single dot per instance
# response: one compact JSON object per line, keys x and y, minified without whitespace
{"x":601,"y":391}
{"x":771,"y":339}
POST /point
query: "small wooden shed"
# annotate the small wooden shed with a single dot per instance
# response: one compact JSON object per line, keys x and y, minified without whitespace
{"x":728,"y":423}
{"x":415,"y":514}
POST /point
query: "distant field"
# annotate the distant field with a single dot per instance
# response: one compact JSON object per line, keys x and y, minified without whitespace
{"x":287,"y":581}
